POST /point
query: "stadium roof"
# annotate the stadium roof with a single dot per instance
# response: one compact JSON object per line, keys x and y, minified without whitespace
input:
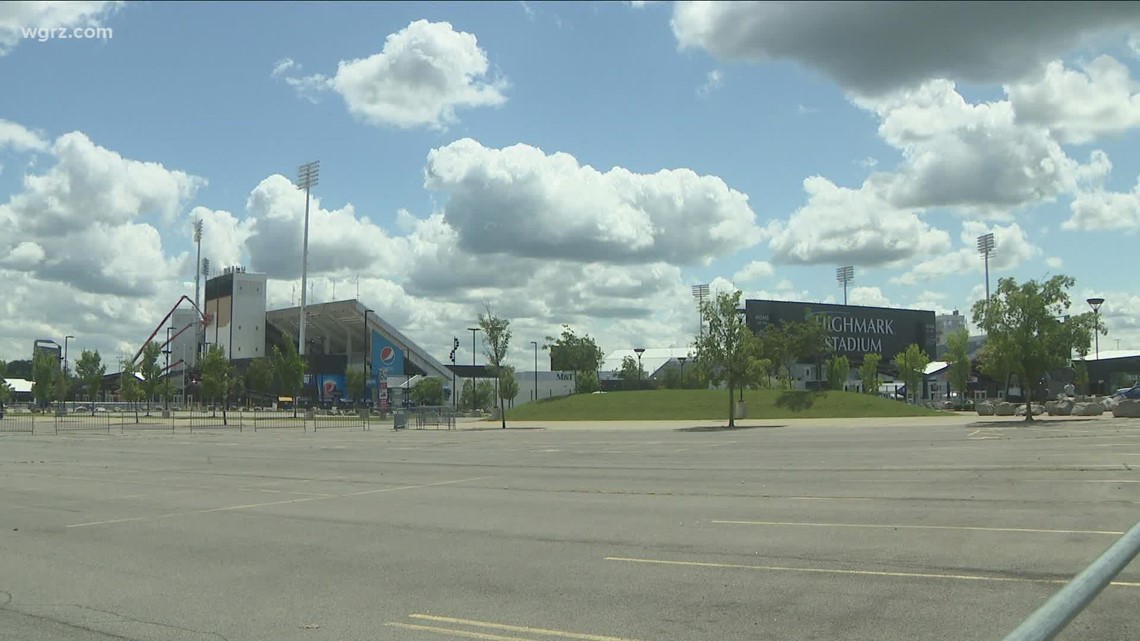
{"x":1109,"y":355}
{"x":19,"y":385}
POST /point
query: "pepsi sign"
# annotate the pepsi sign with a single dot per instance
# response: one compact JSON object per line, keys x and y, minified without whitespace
{"x":387,"y":358}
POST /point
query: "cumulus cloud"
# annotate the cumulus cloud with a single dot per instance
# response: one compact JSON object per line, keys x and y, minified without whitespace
{"x":421,"y":77}
{"x":17,"y":16}
{"x":521,"y":201}
{"x":1012,"y":249}
{"x":19,"y":138}
{"x":851,"y":226}
{"x":873,"y":48}
{"x":1079,"y":106}
{"x":1099,"y":210}
{"x":868,"y":296}
{"x":713,"y":80}
{"x":755,"y":271}
{"x":224,"y":236}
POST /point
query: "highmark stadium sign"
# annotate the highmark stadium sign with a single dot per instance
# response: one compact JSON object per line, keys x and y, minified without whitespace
{"x":852,"y":330}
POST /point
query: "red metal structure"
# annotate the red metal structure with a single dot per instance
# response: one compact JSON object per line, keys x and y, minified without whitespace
{"x":202,"y":320}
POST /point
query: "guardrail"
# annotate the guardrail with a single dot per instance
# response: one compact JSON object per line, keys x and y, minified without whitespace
{"x":1064,"y":606}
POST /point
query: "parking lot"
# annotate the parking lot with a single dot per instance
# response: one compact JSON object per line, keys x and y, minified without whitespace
{"x":855,"y":530}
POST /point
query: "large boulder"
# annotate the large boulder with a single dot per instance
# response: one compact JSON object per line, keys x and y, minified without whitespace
{"x":1088,"y":409}
{"x":985,"y":408}
{"x":1065,"y":407}
{"x":1038,"y":409}
{"x":1004,"y":409}
{"x":1127,"y":408}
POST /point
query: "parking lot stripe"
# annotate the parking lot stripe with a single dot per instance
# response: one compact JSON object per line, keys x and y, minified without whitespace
{"x":517,"y":628}
{"x":470,"y":634}
{"x":920,"y":527}
{"x":913,"y":575}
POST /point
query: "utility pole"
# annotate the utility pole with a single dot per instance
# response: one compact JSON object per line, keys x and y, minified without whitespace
{"x":199,"y":331}
{"x":306,"y":179}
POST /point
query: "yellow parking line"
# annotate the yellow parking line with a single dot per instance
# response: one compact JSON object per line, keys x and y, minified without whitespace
{"x":455,"y":633}
{"x":918,"y":575}
{"x":921,"y":527}
{"x":517,"y":628}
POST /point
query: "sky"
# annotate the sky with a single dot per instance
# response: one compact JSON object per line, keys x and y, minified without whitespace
{"x":579,"y":163}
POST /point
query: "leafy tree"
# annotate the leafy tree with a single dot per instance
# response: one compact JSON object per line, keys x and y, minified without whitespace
{"x":838,"y":369}
{"x":958,"y":353}
{"x":259,"y":376}
{"x":5,"y":390}
{"x":20,"y":368}
{"x":151,"y":372}
{"x":476,"y":396}
{"x":497,"y":340}
{"x":727,"y":347}
{"x":586,"y":382}
{"x":129,"y":388}
{"x":630,"y":372}
{"x":1081,"y":378}
{"x":508,"y":383}
{"x":216,"y":378}
{"x":1026,"y":333}
{"x":809,"y":340}
{"x":290,"y":367}
{"x":429,"y":391}
{"x":235,"y":388}
{"x":759,"y":374}
{"x":91,"y":370}
{"x":579,"y":354}
{"x":869,"y":373}
{"x":912,"y":364}
{"x":45,"y":371}
{"x":357,"y":383}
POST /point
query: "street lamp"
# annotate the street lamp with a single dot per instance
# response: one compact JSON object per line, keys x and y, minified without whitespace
{"x":473,"y":330}
{"x":535,"y":343}
{"x":306,"y":179}
{"x":367,"y":350}
{"x":640,"y":351}
{"x":66,"y":367}
{"x":682,"y":359}
{"x":845,"y":275}
{"x":1095,"y":303}
{"x":166,"y":370}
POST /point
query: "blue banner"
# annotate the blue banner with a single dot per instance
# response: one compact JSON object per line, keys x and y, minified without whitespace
{"x":387,"y":359}
{"x":331,"y":387}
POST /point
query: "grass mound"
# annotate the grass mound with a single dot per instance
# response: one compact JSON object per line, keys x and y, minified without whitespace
{"x":711,"y":404}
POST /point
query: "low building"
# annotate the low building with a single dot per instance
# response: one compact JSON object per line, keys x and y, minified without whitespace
{"x":21,"y":390}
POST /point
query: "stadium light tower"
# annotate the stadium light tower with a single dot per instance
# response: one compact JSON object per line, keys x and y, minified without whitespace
{"x":198,"y":269}
{"x":845,"y":275}
{"x":699,"y":293}
{"x":985,"y":248}
{"x":306,"y":179}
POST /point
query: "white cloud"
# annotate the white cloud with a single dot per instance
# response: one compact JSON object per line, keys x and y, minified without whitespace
{"x":872,"y":48}
{"x":713,"y":81}
{"x":224,"y":236}
{"x":17,"y":16}
{"x":19,"y":138}
{"x":1099,"y":210}
{"x":524,"y":202}
{"x":1079,"y":106}
{"x":527,"y":9}
{"x":868,"y":296}
{"x":423,"y":74}
{"x":1012,"y":249}
{"x":1054,"y":262}
{"x":804,"y":110}
{"x":754,"y":271}
{"x":851,"y":226}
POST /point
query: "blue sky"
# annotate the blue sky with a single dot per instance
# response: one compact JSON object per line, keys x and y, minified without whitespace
{"x":751,"y":145}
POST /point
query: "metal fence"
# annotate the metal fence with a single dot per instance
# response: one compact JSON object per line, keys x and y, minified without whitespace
{"x":99,"y":422}
{"x":341,"y":418}
{"x":274,"y":420}
{"x":439,"y":417}
{"x":19,"y":421}
{"x":130,"y":420}
{"x":1050,"y":619}
{"x":203,"y":420}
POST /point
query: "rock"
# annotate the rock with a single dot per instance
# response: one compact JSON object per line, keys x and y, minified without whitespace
{"x":1004,"y":409}
{"x":1065,"y":408}
{"x":1127,"y":408}
{"x":1038,"y":409}
{"x":1088,"y":409}
{"x":1051,"y":408}
{"x":985,"y":408}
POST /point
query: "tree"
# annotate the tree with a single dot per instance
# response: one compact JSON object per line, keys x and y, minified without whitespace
{"x":91,"y":370}
{"x":869,"y":373}
{"x":20,"y":368}
{"x":508,"y":383}
{"x":151,"y":372}
{"x":838,"y":369}
{"x":912,"y":364}
{"x":476,"y":396}
{"x":45,"y":371}
{"x":1081,"y":376}
{"x":586,"y":382}
{"x":724,"y":350}
{"x":497,"y":340}
{"x":216,"y":378}
{"x":579,"y":354}
{"x":5,"y":390}
{"x":129,"y":388}
{"x":259,"y":376}
{"x":1027,"y":333}
{"x":630,"y":372}
{"x":429,"y":392}
{"x":290,"y":369}
{"x":958,"y":353}
{"x":357,"y":383}
{"x":809,"y":340}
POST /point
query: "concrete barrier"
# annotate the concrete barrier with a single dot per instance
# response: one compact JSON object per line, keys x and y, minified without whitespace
{"x":1127,"y":408}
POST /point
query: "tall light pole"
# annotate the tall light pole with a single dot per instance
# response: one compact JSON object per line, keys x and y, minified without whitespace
{"x":640,"y":351}
{"x":306,"y":179}
{"x":682,"y":359}
{"x":454,"y":392}
{"x":699,"y":293}
{"x":367,"y":352}
{"x":535,"y":343}
{"x":985,"y":248}
{"x":472,"y":330}
{"x":66,"y":367}
{"x":166,"y":370}
{"x":1095,"y":303}
{"x":845,"y":275}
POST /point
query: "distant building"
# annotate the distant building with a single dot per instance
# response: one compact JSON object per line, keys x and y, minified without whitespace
{"x":947,"y":324}
{"x":235,"y":304}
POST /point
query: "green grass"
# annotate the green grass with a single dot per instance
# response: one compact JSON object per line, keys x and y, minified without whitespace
{"x":712,"y":404}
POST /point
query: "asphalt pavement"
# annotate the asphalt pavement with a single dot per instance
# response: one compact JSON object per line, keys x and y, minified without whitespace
{"x":869,"y":530}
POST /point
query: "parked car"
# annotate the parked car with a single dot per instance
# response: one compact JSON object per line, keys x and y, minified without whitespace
{"x":1131,"y":393}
